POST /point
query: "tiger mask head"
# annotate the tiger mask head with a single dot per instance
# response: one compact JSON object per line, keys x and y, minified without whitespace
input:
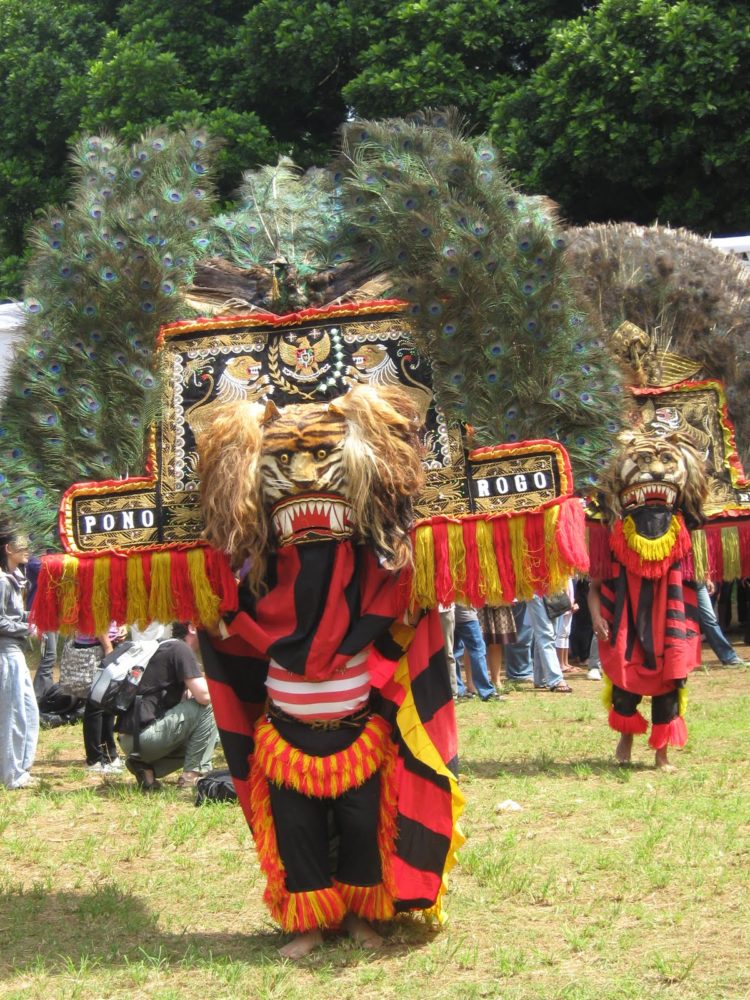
{"x":654,"y":473}
{"x":357,"y":459}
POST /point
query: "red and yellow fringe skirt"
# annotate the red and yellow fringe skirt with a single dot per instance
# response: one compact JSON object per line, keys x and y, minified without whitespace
{"x":276,"y":760}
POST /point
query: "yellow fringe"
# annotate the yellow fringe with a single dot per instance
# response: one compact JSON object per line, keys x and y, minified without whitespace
{"x":489,"y":578}
{"x":206,"y":601}
{"x":700,"y":554}
{"x":651,"y":549}
{"x":137,"y":602}
{"x":100,"y":606}
{"x":682,"y":701}
{"x":160,"y":606}
{"x":519,"y":552}
{"x":606,"y":692}
{"x":69,"y":594}
{"x":457,"y":560}
{"x":424,"y":593}
{"x":730,"y":547}
{"x":559,"y":571}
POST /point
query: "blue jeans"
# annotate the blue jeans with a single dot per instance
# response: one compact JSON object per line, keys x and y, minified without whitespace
{"x":711,"y":629}
{"x":19,"y":716}
{"x":547,"y":672}
{"x":469,"y":634}
{"x":518,"y":665}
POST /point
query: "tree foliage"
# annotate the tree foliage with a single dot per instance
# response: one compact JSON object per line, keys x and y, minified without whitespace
{"x":622,"y":109}
{"x":639,"y":113}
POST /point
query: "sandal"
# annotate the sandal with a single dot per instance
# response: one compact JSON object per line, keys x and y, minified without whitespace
{"x":563,"y":688}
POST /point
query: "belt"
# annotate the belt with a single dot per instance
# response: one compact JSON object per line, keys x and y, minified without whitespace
{"x":354,"y":721}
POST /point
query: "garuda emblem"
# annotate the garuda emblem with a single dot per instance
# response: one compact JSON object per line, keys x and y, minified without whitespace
{"x":304,"y":356}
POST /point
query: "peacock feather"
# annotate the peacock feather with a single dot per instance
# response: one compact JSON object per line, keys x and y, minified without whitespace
{"x":516,"y":351}
{"x":107,"y":270}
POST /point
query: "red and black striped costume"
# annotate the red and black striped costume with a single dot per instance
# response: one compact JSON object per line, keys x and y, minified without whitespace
{"x":385,"y":782}
{"x":654,"y":638}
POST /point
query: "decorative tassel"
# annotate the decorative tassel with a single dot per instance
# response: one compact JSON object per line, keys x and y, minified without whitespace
{"x":205,"y":598}
{"x":160,"y":604}
{"x":651,"y":549}
{"x":506,"y":572}
{"x":45,"y":609}
{"x":644,"y":556}
{"x":85,"y":587}
{"x":743,"y":534}
{"x":473,"y":584}
{"x":673,"y":734}
{"x":627,"y":723}
{"x":443,"y":582}
{"x":730,"y":549}
{"x":487,"y":563}
{"x":137,"y":606}
{"x":715,"y":555}
{"x":606,"y":692}
{"x":118,"y":589}
{"x":700,"y":554}
{"x":536,"y":565}
{"x":424,"y":568}
{"x":570,"y":536}
{"x":600,"y":556}
{"x":100,"y":599}
{"x":457,"y":561}
{"x":519,"y":554}
{"x":68,"y":594}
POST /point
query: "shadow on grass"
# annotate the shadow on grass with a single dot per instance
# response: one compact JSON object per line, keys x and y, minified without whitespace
{"x":534,"y":766}
{"x":54,"y":931}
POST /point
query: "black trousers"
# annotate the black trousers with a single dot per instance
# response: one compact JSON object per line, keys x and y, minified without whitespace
{"x":98,"y":735}
{"x":664,"y":707}
{"x":306,"y":826}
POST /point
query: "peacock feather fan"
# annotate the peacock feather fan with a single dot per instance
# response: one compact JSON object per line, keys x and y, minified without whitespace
{"x":107,"y":270}
{"x":689,"y":298}
{"x":516,"y":352}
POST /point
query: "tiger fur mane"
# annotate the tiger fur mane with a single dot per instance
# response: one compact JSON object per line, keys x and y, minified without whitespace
{"x":363,"y":446}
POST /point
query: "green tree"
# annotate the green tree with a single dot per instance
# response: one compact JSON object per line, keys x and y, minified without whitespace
{"x":46,"y":48}
{"x":639,"y":113}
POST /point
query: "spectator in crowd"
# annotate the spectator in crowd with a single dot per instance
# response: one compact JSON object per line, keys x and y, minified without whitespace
{"x":563,"y":625}
{"x":518,"y":653}
{"x":710,"y":627}
{"x":498,"y":630}
{"x":98,"y":724}
{"x":547,"y":671}
{"x":468,"y":634}
{"x":19,"y":715}
{"x":170,"y":726}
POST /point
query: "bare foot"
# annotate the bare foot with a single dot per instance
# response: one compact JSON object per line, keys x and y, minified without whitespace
{"x":661,"y":761}
{"x":624,"y":748}
{"x":361,"y":932}
{"x":302,"y":945}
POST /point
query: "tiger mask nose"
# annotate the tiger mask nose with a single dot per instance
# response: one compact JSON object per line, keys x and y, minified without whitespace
{"x":304,"y":470}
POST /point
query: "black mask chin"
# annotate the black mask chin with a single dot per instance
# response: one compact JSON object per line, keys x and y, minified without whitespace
{"x":651,"y":521}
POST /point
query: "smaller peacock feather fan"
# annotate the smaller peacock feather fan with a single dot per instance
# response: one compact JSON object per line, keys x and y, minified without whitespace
{"x":286,"y":225}
{"x":106,"y":272}
{"x":514,"y":348}
{"x":689,"y":298}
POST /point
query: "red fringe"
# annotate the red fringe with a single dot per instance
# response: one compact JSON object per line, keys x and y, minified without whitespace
{"x":650,"y":569}
{"x":85,"y":593}
{"x":118,"y":589}
{"x":743,"y":532}
{"x":221,"y":578}
{"x":538,"y":569}
{"x":715,"y":553}
{"x":443,"y":581}
{"x":45,"y":614}
{"x":501,"y":540}
{"x":673,"y":734}
{"x":570,"y":536}
{"x":635,"y":724}
{"x":472,"y":587}
{"x":182,"y":591}
{"x":600,"y":556}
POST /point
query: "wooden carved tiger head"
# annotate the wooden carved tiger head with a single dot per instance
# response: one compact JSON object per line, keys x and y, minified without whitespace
{"x":271,"y":477}
{"x":654,"y":471}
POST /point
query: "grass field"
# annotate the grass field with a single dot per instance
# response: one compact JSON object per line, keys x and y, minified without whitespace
{"x":607,"y":883}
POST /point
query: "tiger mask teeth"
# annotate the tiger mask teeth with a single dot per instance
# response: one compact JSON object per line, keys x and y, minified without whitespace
{"x":311,"y":518}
